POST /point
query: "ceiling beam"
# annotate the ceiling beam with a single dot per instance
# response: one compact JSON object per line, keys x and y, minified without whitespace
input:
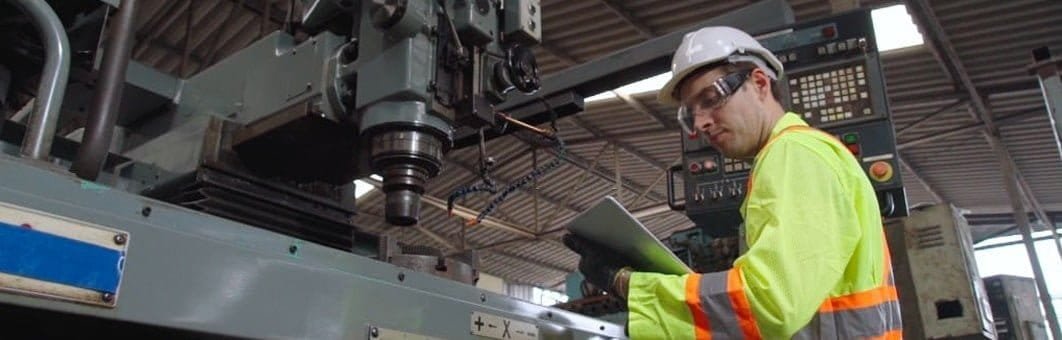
{"x":565,"y":58}
{"x":947,"y":108}
{"x":915,"y":97}
{"x":548,"y":198}
{"x":146,"y":40}
{"x":216,"y":42}
{"x":626,"y":147}
{"x":838,"y":6}
{"x":638,"y":106}
{"x":598,"y":171}
{"x":968,"y":128}
{"x":933,"y":193}
{"x":597,"y":133}
{"x":651,"y":132}
{"x":616,"y":8}
{"x":258,"y":7}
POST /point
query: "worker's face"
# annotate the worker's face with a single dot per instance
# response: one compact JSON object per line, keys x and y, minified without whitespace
{"x":736,"y":125}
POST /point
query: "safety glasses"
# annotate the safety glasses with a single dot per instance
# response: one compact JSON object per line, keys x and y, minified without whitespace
{"x":710,"y":99}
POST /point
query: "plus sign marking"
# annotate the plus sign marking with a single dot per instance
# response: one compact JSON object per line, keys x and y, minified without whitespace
{"x":496,"y":327}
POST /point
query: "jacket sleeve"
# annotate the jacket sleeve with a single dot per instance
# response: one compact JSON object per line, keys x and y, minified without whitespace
{"x":798,"y":220}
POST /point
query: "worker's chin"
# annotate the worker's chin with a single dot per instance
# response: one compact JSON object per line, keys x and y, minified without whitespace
{"x":732,"y":152}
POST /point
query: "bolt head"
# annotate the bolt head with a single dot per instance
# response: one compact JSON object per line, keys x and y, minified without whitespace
{"x":120,"y":239}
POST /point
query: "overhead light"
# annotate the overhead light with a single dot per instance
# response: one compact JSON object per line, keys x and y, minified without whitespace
{"x":894,"y":28}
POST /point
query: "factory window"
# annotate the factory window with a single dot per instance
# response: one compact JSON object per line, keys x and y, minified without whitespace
{"x":547,"y":297}
{"x":362,"y":187}
{"x":1011,"y":259}
{"x":650,"y":84}
{"x":894,"y":28}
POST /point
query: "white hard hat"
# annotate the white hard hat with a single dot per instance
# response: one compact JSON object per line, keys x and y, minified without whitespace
{"x":711,"y":45}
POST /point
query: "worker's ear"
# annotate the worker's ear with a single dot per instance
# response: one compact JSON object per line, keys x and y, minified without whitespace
{"x":761,"y":84}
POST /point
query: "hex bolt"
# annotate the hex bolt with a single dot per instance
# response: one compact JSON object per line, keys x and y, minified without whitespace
{"x":401,"y":276}
{"x":482,"y":297}
{"x":119,"y":239}
{"x":146,"y":211}
{"x":374,"y":332}
{"x":107,"y":297}
{"x":293,"y":249}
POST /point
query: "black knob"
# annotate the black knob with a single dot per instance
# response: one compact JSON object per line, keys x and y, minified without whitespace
{"x":523,"y":69}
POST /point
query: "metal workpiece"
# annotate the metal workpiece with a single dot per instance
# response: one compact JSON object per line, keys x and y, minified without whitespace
{"x":430,"y":260}
{"x":103,"y":116}
{"x":38,"y":140}
{"x":200,"y":273}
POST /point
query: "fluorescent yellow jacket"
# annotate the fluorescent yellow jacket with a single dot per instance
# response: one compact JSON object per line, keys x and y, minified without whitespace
{"x":817,"y":266}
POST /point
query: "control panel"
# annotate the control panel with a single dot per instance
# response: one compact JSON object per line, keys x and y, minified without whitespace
{"x":834,"y":80}
{"x":832,"y":97}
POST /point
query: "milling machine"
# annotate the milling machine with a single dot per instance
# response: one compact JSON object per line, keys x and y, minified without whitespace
{"x":225,"y":205}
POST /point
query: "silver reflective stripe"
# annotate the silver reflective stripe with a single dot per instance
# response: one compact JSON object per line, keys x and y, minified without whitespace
{"x":716,"y":306}
{"x":853,"y":323}
{"x":819,"y":328}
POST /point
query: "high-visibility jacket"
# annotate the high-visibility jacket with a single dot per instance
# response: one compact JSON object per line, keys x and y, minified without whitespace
{"x":817,"y":266}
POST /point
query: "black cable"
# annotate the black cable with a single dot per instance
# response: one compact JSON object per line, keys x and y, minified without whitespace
{"x":536,"y":173}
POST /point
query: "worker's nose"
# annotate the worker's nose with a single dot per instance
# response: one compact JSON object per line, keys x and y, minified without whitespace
{"x":703,"y":121}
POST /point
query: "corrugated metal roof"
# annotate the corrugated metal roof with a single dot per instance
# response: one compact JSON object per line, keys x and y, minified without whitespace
{"x":992,"y":38}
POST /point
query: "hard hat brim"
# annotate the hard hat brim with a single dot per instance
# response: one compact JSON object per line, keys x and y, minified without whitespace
{"x":667,"y":93}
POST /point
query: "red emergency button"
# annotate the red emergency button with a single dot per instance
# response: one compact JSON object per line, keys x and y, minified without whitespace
{"x":854,"y":148}
{"x":881,"y":171}
{"x":829,"y":31}
{"x":695,"y":167}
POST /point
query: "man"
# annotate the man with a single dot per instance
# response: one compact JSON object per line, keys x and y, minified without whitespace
{"x":817,"y":266}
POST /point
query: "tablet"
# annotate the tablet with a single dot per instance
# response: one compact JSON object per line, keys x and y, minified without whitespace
{"x":612,"y":226}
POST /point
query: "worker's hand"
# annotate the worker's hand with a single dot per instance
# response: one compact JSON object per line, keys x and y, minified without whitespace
{"x":601,"y":267}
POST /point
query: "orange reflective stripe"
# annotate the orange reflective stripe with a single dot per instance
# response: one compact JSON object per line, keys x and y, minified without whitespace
{"x":735,"y":288}
{"x":890,"y":335}
{"x":862,"y":299}
{"x":702,"y":329}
